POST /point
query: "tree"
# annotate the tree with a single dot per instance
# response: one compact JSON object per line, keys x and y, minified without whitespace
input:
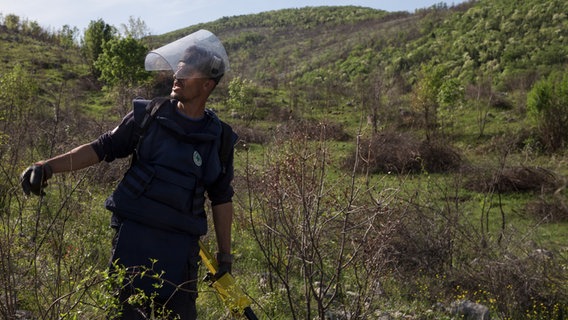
{"x":96,"y":35}
{"x":67,"y":35}
{"x":17,"y":88}
{"x":425,"y":98}
{"x":547,"y":102}
{"x":18,"y":105}
{"x":121,"y":69}
{"x":122,"y":62}
{"x":136,"y":28}
{"x":12,"y":22}
{"x":373,"y":94}
{"x":33,"y":28}
{"x":241,"y":97}
{"x":450,"y":97}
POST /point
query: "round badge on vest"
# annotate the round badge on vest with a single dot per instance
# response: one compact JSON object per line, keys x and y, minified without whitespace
{"x":197,"y":158}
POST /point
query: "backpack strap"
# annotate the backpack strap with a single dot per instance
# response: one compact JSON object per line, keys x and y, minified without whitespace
{"x":151,"y":107}
{"x":149,"y":112}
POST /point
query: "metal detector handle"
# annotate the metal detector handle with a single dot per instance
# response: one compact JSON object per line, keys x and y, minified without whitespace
{"x":231,"y":294}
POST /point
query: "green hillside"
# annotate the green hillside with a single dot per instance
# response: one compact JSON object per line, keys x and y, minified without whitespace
{"x":391,"y":165}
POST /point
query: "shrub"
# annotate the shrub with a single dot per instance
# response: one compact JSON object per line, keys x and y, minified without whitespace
{"x":547,"y":102}
{"x":513,"y":179}
{"x":403,"y":153}
{"x":250,"y":135}
{"x":312,"y":129}
{"x":548,"y":209}
{"x":523,"y":285}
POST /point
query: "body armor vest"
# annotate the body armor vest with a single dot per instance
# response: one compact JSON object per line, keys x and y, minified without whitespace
{"x":165,"y":186}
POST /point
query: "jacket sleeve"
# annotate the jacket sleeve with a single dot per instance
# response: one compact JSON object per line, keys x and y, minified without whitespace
{"x":119,"y":142}
{"x":221,"y":191}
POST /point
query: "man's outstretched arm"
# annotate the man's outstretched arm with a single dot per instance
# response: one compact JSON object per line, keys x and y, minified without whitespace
{"x":78,"y":158}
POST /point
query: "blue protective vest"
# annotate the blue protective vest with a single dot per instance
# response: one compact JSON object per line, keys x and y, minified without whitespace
{"x":165,"y":186}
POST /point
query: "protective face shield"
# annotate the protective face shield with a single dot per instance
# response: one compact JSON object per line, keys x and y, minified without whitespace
{"x":198,"y":55}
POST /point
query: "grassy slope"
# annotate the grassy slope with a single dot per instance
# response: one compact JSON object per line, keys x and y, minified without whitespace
{"x":277,"y":47}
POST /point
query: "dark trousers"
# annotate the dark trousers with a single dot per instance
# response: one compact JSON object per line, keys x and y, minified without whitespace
{"x":146,"y":251}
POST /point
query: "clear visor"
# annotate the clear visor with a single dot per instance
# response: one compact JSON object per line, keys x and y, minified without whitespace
{"x":198,"y":55}
{"x":186,"y":71}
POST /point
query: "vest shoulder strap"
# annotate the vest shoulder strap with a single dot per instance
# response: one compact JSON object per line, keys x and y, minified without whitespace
{"x":150,"y":111}
{"x":144,"y":113}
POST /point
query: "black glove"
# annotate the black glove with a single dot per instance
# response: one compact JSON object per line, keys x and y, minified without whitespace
{"x":225,"y":261}
{"x":34,"y":178}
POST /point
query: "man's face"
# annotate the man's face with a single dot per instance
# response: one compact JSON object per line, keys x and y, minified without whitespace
{"x":188,"y":83}
{"x":186,"y":71}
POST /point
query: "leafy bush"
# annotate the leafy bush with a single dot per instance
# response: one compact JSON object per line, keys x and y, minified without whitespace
{"x":548,"y":104}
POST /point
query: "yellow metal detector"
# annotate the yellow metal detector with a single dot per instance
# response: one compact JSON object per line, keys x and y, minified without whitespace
{"x":232,"y":295}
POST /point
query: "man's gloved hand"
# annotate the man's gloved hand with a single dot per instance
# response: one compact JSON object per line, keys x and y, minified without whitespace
{"x":225,"y":261}
{"x":35,"y":177}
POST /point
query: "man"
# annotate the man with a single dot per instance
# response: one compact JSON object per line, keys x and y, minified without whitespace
{"x":158,"y":207}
